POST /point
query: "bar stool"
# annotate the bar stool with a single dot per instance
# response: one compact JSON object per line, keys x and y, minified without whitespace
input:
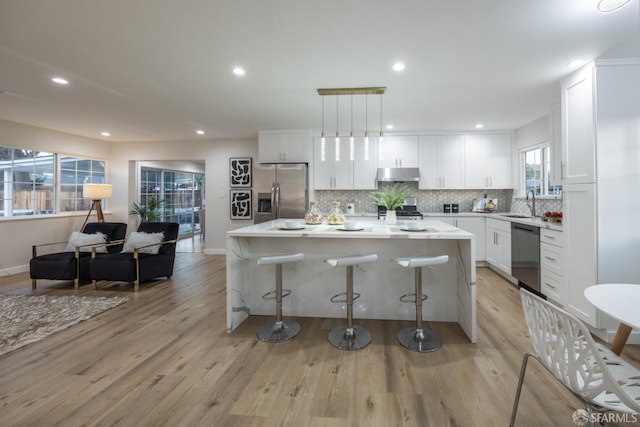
{"x":351,"y":337}
{"x":280,"y":330}
{"x":419,"y":339}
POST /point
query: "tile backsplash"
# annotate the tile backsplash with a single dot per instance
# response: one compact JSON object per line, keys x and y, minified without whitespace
{"x":431,"y":201}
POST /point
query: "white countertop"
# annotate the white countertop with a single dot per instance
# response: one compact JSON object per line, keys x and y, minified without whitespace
{"x":371,"y":228}
{"x":537,"y":221}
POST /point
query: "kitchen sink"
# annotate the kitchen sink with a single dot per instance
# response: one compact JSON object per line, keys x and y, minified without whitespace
{"x":515,"y":216}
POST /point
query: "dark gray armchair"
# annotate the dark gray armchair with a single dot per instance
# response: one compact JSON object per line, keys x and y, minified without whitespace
{"x":138,"y":266}
{"x":74,"y":265}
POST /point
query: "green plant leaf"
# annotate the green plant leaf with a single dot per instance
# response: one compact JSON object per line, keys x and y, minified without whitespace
{"x":391,"y":197}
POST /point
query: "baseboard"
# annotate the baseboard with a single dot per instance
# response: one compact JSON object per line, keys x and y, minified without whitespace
{"x":14,"y":270}
{"x":215,"y":252}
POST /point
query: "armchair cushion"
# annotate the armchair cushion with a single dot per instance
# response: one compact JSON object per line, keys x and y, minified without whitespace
{"x":142,"y":240}
{"x":85,"y":241}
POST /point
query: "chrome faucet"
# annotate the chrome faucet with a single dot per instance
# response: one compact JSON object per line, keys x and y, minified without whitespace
{"x":532,"y":206}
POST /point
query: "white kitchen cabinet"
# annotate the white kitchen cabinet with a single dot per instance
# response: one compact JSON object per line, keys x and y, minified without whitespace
{"x":578,"y":137}
{"x":601,"y":140}
{"x":476,"y":226}
{"x":398,"y":152}
{"x":441,"y":162}
{"x":331,"y":171}
{"x":487,"y":161}
{"x":498,"y":244}
{"x":285,"y":146}
{"x":579,"y":245}
{"x":365,"y":164}
{"x":552,"y":266}
{"x":555,"y":130}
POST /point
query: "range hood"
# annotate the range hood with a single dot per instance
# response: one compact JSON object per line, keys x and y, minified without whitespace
{"x":398,"y":174}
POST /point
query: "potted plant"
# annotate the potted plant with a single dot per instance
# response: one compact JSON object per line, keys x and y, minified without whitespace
{"x":149,"y":212}
{"x":391,"y":198}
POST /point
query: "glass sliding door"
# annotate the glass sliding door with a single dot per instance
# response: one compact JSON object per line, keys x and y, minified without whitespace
{"x":181,"y":192}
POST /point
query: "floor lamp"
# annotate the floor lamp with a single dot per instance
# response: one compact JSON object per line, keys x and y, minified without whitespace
{"x":95,"y":192}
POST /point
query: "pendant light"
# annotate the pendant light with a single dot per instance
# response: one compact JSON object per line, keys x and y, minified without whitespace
{"x":381,"y":133}
{"x":351,"y":147}
{"x":322,"y":138}
{"x":366,"y":127}
{"x":337,"y":133}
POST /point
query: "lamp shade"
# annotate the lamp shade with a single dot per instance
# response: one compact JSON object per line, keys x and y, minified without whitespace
{"x":96,"y":191}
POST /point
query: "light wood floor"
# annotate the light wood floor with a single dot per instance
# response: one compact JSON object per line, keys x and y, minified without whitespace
{"x":164,"y":359}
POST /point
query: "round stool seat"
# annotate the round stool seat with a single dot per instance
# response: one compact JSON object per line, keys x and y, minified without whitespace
{"x":280,"y":259}
{"x":424,"y":261}
{"x":351,"y":260}
{"x":280,"y":330}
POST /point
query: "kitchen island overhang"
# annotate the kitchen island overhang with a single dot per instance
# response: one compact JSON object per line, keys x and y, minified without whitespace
{"x":451,"y":287}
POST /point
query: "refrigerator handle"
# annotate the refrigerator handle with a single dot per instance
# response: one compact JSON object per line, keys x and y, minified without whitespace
{"x":274,"y":209}
{"x":277,"y":199}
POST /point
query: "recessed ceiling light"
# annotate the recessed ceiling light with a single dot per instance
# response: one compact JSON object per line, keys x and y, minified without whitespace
{"x":238,"y":71}
{"x":389,"y":126}
{"x":576,"y":63}
{"x":611,"y":5}
{"x":105,"y":134}
{"x":479,"y":126}
{"x":200,"y":132}
{"x":398,"y":66}
{"x":60,"y":81}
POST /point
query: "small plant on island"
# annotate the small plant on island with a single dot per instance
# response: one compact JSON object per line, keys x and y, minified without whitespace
{"x":391,"y":197}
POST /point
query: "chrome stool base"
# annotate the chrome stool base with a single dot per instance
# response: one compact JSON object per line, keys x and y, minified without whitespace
{"x":420,"y":340}
{"x":345,"y":339}
{"x":278,"y":331}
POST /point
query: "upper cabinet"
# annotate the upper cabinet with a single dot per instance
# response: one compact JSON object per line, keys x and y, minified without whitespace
{"x":487,"y":161}
{"x":578,"y":132}
{"x":441,"y":162}
{"x":555,"y":131}
{"x":398,"y":152}
{"x":285,"y":146}
{"x":341,"y":167}
{"x":365,"y":164}
{"x":332,"y":164}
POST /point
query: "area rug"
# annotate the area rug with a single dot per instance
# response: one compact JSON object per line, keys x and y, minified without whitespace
{"x":26,"y":319}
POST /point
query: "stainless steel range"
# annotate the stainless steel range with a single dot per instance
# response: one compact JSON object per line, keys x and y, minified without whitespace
{"x":407,"y":212}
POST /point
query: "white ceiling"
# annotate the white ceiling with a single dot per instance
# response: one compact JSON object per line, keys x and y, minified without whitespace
{"x":158,"y":70}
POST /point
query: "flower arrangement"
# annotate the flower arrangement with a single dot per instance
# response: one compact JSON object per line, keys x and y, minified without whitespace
{"x":391,"y":197}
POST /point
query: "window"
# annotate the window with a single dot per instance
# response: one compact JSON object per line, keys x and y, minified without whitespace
{"x":27,"y":179}
{"x":537,"y":171}
{"x":29,"y":182}
{"x":73,"y":173}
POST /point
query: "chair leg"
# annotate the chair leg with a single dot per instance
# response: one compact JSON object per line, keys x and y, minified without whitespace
{"x":76,"y":283}
{"x":33,"y":283}
{"x":95,"y":285}
{"x":523,"y":370}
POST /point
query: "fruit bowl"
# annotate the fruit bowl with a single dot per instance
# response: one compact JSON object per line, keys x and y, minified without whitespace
{"x":552,"y":216}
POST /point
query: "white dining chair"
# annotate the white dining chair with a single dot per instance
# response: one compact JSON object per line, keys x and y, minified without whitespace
{"x":593,"y":373}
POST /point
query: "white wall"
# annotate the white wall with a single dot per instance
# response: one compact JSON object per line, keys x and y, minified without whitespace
{"x":215,"y":154}
{"x":18,"y":234}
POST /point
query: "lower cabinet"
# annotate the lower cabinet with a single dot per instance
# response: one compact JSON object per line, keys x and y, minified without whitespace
{"x":498,"y":244}
{"x":551,"y":265}
{"x":474,"y":226}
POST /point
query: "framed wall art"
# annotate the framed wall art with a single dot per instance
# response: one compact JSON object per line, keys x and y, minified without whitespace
{"x":240,"y":172}
{"x":240,"y":204}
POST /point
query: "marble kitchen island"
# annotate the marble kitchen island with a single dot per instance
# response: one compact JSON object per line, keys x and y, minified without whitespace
{"x":451,"y":287}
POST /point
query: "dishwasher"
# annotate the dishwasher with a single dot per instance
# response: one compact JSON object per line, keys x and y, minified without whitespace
{"x":525,"y":256}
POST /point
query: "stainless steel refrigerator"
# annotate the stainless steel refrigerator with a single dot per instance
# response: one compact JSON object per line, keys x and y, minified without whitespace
{"x":281,"y":191}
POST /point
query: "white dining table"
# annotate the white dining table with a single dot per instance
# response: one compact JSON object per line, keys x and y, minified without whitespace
{"x":620,"y":301}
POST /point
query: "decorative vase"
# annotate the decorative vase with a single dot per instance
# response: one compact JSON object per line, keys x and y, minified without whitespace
{"x":391,"y":217}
